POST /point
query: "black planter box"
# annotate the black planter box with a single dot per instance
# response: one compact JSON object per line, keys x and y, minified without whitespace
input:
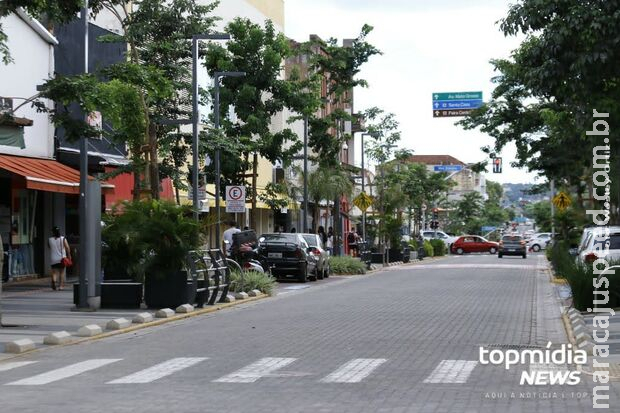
{"x":115,"y":294}
{"x":376,"y":258}
{"x":169,"y":292}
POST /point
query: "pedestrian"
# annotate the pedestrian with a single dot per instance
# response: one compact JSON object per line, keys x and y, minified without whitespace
{"x":59,"y":249}
{"x":322,"y":234}
{"x":293,"y":230}
{"x":330,"y":241}
{"x":352,"y":242}
{"x":228,"y":236}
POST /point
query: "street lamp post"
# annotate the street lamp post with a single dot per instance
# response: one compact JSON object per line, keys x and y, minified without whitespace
{"x":305,"y":217}
{"x":195,"y":120}
{"x":216,"y":103}
{"x":364,"y":187}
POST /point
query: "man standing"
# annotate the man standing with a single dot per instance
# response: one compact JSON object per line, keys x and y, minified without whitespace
{"x":228,"y":236}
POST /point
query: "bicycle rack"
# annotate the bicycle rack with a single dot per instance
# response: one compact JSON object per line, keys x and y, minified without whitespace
{"x":212,"y":267}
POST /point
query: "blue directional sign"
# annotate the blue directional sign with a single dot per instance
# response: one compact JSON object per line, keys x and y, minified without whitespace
{"x":448,"y":104}
{"x":447,"y":168}
{"x":457,"y":104}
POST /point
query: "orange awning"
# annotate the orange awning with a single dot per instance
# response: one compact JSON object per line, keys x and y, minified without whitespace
{"x":46,"y":174}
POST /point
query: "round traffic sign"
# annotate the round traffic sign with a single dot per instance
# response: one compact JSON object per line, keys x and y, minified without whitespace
{"x":234,"y":193}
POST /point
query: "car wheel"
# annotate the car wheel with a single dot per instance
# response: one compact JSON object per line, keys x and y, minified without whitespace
{"x":303,"y":273}
{"x":535,"y":247}
{"x":499,"y":255}
{"x":492,"y":250}
{"x":320,"y":274}
{"x":327,"y":271}
{"x":459,"y":251}
{"x":524,"y":256}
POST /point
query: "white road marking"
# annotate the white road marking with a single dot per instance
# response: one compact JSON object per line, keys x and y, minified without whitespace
{"x":451,"y":371}
{"x":63,"y":373}
{"x":354,"y":371}
{"x":159,"y":370}
{"x":14,"y":364}
{"x":262,"y":368}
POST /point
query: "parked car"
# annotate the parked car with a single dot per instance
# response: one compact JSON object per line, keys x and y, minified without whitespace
{"x":512,"y":245}
{"x":432,"y":234}
{"x":539,"y":241}
{"x":594,"y":245}
{"x":288,"y":256}
{"x":318,"y":250}
{"x":473,"y":243}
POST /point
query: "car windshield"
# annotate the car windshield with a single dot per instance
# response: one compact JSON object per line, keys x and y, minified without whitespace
{"x":511,"y":238}
{"x":280,"y":238}
{"x":311,"y":240}
{"x":613,"y":241}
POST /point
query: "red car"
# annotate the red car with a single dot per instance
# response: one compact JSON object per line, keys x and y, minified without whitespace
{"x":473,"y":243}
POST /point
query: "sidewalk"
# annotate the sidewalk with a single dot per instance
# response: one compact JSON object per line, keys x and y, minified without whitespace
{"x":31,"y":309}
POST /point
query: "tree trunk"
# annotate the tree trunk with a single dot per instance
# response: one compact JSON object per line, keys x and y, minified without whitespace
{"x":153,"y":162}
{"x":254,"y":190}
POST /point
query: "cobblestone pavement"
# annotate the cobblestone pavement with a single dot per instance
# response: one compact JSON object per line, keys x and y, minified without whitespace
{"x":403,"y":340}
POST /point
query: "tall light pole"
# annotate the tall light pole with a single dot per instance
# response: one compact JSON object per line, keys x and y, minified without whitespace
{"x":195,"y":120}
{"x":84,"y":233}
{"x":364,"y":187}
{"x":305,"y":217}
{"x":216,"y":103}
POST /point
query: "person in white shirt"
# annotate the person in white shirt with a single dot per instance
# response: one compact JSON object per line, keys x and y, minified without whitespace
{"x":228,"y":236}
{"x":59,"y":249}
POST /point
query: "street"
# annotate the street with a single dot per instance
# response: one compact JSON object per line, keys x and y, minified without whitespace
{"x":405,"y":339}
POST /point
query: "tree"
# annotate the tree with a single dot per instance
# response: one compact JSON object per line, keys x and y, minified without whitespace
{"x":547,"y":91}
{"x":469,"y":214}
{"x":327,"y":184}
{"x":154,"y":83}
{"x":256,"y":98}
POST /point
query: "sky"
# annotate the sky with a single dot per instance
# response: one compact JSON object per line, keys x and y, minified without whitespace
{"x":428,"y":46}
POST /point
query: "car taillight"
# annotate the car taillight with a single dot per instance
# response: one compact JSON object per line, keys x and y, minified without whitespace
{"x":501,"y":243}
{"x":247,"y":265}
{"x":316,"y":252}
{"x":590,"y":258}
{"x":298,"y":253}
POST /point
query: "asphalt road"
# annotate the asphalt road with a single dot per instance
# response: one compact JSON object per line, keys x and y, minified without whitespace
{"x":403,"y":340}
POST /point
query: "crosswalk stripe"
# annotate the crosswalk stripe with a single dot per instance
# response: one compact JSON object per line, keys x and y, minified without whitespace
{"x":354,"y":371}
{"x":63,"y":373}
{"x":14,"y":364}
{"x":159,"y":370}
{"x":451,"y":371}
{"x":264,"y":367}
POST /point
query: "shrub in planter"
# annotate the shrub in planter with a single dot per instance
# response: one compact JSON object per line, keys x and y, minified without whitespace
{"x":428,"y":248}
{"x":346,"y":265}
{"x":152,"y":239}
{"x":439,"y":247}
{"x":252,"y":280}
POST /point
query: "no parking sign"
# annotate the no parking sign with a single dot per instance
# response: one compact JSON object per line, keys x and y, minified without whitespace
{"x":235,"y":198}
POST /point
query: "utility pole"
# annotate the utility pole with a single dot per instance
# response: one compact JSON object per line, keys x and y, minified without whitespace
{"x":552,"y":186}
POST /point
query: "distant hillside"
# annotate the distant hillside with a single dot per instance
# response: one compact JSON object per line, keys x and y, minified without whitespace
{"x":515,"y":194}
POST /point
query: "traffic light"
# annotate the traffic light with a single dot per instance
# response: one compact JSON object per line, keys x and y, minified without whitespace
{"x":497,"y":165}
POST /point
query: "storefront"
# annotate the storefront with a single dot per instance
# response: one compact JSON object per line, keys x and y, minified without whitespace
{"x":35,"y":195}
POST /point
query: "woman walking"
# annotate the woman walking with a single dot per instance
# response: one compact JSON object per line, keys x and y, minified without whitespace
{"x":59,"y":249}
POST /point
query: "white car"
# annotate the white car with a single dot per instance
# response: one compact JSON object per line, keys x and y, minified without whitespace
{"x":432,"y":234}
{"x":539,"y":241}
{"x":592,"y":247}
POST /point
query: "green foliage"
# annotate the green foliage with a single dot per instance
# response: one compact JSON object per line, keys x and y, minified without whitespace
{"x":252,"y":280}
{"x":581,"y":278}
{"x":413,"y":244}
{"x":275,"y":195}
{"x":439,"y":247}
{"x":149,"y":238}
{"x":429,"y":250}
{"x":346,"y":265}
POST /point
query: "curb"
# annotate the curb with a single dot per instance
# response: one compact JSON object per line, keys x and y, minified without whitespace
{"x":136,"y":325}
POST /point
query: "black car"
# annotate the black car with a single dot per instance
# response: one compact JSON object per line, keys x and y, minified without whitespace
{"x":288,"y":256}
{"x":512,"y":245}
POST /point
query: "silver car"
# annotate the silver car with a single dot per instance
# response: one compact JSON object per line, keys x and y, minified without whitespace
{"x":317,"y":248}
